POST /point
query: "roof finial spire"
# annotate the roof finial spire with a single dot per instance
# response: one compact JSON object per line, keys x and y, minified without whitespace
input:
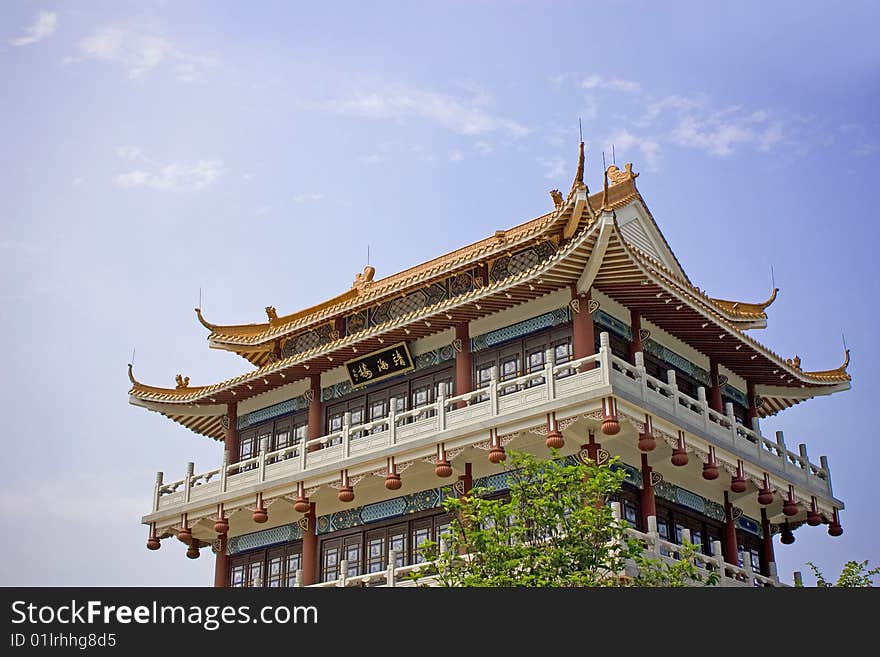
{"x":579,"y":174}
{"x":604,"y":187}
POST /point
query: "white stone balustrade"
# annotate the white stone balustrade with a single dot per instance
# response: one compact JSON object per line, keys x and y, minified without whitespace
{"x":658,"y":548}
{"x":562,"y":388}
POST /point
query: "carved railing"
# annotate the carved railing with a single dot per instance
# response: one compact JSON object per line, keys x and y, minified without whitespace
{"x":602,"y":373}
{"x":658,"y":548}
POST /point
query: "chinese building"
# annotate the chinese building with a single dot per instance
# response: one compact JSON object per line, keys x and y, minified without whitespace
{"x":579,"y":329}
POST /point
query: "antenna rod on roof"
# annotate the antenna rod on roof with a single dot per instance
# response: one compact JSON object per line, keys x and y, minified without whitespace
{"x":843,"y":337}
{"x":772,"y":279}
{"x":132,"y":355}
{"x":200,"y":298}
{"x":604,"y":166}
{"x":580,"y":130}
{"x":368,"y":254}
{"x":613,"y":157}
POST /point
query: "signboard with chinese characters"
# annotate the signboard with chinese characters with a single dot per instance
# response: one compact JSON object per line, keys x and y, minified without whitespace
{"x":380,"y":365}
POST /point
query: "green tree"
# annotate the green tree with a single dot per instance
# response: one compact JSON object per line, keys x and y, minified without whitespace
{"x":855,"y":574}
{"x":682,"y":572}
{"x":554,"y":530}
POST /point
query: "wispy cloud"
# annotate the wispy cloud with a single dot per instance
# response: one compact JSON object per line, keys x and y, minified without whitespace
{"x":308,"y":196}
{"x":174,"y":176}
{"x":456,"y":156}
{"x":715,"y":137}
{"x":554,"y":167}
{"x":648,"y":123}
{"x":720,"y":133}
{"x":612,"y":84}
{"x":463,"y":115}
{"x":484,"y":148}
{"x":44,"y":25}
{"x":862,"y":138}
{"x":625,"y":140}
{"x":594,"y":82}
{"x":141,"y":53}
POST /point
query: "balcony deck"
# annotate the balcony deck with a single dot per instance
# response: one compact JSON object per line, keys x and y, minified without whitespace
{"x":655,"y":546}
{"x":574,"y":389}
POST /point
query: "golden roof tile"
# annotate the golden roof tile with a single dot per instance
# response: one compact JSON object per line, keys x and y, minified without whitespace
{"x":362,"y":295}
{"x":746,"y":310}
{"x":838,"y":374}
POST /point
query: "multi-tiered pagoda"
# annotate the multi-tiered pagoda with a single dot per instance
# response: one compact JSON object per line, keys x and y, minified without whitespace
{"x":579,"y":329}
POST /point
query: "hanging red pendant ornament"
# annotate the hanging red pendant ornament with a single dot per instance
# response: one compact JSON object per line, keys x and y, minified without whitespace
{"x":301,"y":503}
{"x":738,"y":482}
{"x":710,"y":467}
{"x":346,"y":491}
{"x":392,"y":478}
{"x":610,"y":423}
{"x":679,"y":454}
{"x":554,"y":438}
{"x":647,"y":442}
{"x":442,"y":468}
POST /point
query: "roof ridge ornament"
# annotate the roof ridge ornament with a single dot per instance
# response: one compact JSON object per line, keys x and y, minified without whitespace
{"x":744,"y":308}
{"x":202,"y":321}
{"x":182,"y":381}
{"x":578,"y":183}
{"x":835,"y":373}
{"x":617,"y":176}
{"x":604,"y":207}
{"x":272,"y":314}
{"x":364,"y":280}
{"x":579,"y":174}
{"x":770,"y":300}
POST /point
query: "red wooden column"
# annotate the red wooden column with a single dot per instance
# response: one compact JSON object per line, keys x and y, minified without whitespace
{"x":221,"y":565}
{"x":753,"y":403}
{"x":463,"y":362}
{"x":467,"y":483}
{"x":648,"y":504}
{"x":230,"y":440}
{"x":767,"y":556}
{"x":230,"y":446}
{"x":316,"y":410}
{"x":467,"y":480}
{"x":583,"y":336}
{"x":635,"y":345}
{"x":592,"y":447}
{"x":310,"y":547}
{"x":731,"y":545}
{"x":715,"y":392}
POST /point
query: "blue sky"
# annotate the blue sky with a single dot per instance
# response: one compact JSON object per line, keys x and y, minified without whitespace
{"x":254,"y":150}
